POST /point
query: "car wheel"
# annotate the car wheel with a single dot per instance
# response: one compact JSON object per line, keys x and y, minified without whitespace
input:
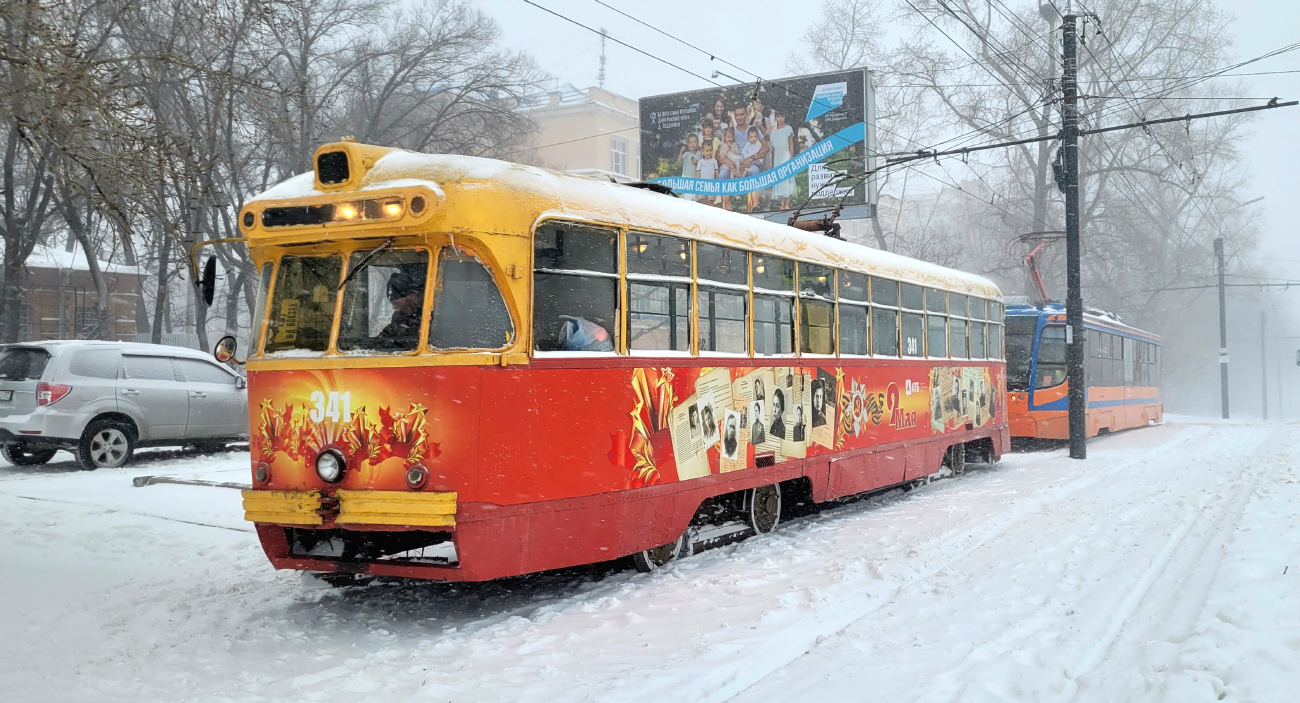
{"x":106,"y":444}
{"x":21,"y":455}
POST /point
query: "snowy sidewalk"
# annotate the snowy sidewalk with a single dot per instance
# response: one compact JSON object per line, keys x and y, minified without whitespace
{"x":1152,"y":571}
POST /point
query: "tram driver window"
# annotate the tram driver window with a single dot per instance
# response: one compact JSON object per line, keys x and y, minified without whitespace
{"x":1051,"y":357}
{"x":302,"y":305}
{"x":468,"y":309}
{"x":383,"y":301}
{"x":575,"y":288}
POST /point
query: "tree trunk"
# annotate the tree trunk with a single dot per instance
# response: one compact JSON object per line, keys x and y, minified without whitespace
{"x":161,"y":295}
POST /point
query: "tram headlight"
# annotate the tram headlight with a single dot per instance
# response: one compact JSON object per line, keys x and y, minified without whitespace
{"x":329,"y":465}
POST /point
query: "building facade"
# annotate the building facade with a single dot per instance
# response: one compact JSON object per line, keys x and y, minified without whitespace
{"x":591,"y":132}
{"x":58,"y":298}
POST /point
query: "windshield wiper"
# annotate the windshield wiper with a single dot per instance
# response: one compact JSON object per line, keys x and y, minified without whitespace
{"x":365,"y":261}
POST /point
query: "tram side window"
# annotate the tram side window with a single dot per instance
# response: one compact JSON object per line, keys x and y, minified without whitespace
{"x":1020,"y":348}
{"x":773,"y":325}
{"x":1051,"y":357}
{"x":853,"y":286}
{"x":659,"y":307}
{"x":302,"y":304}
{"x":721,"y":264}
{"x":977,"y":340}
{"x":773,"y":314}
{"x":383,"y":301}
{"x":957,"y":327}
{"x":912,"y":298}
{"x":723,"y":322}
{"x":575,"y":288}
{"x":884,"y":320}
{"x":884,"y":332}
{"x":723,"y":298}
{"x":995,"y":341}
{"x":468,"y":309}
{"x":853,"y":329}
{"x":816,"y":309}
{"x":659,"y":316}
{"x":936,"y":324}
{"x":1130,"y":361}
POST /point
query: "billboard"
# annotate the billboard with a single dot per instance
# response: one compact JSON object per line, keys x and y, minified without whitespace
{"x":766,"y":147}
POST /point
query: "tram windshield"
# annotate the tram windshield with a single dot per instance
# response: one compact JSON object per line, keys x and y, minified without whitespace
{"x":1020,"y":350}
{"x":384,"y":307}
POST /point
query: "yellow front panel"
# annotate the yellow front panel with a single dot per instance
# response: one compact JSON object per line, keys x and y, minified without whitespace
{"x":397,"y":508}
{"x":283,"y":507}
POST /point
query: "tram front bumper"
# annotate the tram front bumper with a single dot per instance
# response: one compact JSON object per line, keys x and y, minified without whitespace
{"x":394,"y":508}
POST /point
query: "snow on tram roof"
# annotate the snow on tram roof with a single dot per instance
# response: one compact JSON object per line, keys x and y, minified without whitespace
{"x":567,"y":196}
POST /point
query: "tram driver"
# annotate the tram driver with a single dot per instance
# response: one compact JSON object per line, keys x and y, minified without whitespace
{"x":406,"y":295}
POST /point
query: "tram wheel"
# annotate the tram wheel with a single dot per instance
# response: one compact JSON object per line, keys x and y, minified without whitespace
{"x":956,"y":459}
{"x":763,"y":508}
{"x":656,"y":558}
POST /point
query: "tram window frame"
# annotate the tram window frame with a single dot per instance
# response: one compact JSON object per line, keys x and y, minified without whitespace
{"x":1057,"y":334}
{"x":733,"y":274}
{"x":884,"y":319}
{"x":957,"y":320}
{"x":915,"y":321}
{"x":995,"y":335}
{"x":783,"y":329}
{"x":709,"y":318}
{"x":713,"y":280}
{"x":479,"y":306}
{"x":546,"y":276}
{"x":673,"y":276}
{"x":361,"y":284}
{"x":972,"y":327}
{"x":273,"y":322}
{"x":764,"y":270}
{"x":643,"y":250}
{"x":936,"y":324}
{"x":817,"y":288}
{"x":257,"y":326}
{"x":848,"y":345}
{"x":854,"y":287}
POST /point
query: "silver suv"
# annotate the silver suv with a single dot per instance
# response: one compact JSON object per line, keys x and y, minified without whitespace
{"x":101,"y":400}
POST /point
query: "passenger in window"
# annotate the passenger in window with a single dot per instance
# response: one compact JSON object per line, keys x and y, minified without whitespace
{"x":406,"y":295}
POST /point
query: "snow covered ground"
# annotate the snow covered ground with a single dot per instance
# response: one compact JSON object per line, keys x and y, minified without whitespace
{"x":1165,"y":567}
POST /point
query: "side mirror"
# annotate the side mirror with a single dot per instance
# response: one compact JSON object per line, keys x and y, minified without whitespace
{"x":225,"y":349}
{"x":208,"y":281}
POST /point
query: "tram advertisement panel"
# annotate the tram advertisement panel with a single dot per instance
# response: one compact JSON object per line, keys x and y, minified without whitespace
{"x":481,"y":430}
{"x":764,"y":147}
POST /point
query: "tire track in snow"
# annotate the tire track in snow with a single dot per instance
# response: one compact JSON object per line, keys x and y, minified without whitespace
{"x":782,"y":648}
{"x":1197,"y":569}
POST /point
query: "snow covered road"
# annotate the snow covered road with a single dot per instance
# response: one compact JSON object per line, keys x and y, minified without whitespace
{"x":1165,"y":567}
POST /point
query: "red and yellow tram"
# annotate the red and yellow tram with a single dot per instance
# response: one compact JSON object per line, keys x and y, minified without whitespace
{"x":466,"y":369}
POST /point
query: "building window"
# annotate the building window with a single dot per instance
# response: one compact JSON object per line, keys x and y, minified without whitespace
{"x":618,"y":155}
{"x":24,"y":322}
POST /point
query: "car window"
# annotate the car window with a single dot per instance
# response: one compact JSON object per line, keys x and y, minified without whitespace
{"x":19,"y":364}
{"x":204,"y":372}
{"x":95,"y":363}
{"x":147,"y":368}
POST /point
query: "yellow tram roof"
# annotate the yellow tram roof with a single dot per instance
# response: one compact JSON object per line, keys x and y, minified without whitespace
{"x":491,"y":196}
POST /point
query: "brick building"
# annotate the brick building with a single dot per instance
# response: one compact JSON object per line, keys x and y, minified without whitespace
{"x":58,"y":299}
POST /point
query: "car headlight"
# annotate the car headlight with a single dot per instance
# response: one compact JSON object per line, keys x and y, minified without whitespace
{"x":329,"y":465}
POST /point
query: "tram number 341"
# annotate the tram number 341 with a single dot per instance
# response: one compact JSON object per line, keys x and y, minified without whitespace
{"x":337,"y":407}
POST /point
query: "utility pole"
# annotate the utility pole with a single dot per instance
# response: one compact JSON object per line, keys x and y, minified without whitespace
{"x":600,"y":75}
{"x":1223,"y":329}
{"x":1074,"y":337}
{"x":1263,"y":363}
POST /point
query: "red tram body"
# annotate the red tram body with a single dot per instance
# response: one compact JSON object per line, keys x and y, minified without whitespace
{"x":526,"y":460}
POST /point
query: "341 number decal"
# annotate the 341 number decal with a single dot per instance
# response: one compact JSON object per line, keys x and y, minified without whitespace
{"x":338,"y":406}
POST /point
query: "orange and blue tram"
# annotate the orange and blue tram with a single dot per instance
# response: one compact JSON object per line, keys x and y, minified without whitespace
{"x":1122,"y":365}
{"x":465,"y":369}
